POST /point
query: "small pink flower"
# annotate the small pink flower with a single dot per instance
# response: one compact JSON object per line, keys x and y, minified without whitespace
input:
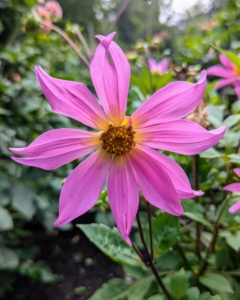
{"x":54,"y":8}
{"x":120,"y":146}
{"x":228,"y":71}
{"x":45,"y":18}
{"x":160,"y":67}
{"x":234,"y":187}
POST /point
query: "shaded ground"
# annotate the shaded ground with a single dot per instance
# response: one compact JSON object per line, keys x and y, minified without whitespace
{"x":75,"y":261}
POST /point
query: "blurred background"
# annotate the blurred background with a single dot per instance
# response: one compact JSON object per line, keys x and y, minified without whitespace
{"x":37,"y":260}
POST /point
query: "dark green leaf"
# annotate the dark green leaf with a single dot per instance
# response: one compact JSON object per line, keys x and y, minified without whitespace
{"x":216,"y":282}
{"x":110,"y":242}
{"x":178,"y":284}
{"x":6,"y":221}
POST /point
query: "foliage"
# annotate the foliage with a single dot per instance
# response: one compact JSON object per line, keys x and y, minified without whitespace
{"x":191,"y":262}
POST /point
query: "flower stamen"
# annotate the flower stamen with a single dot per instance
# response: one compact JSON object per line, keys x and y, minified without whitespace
{"x":118,"y":140}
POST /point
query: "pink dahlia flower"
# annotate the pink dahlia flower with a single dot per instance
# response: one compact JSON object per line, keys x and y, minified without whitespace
{"x":234,"y":187}
{"x":54,"y":9}
{"x":160,"y":67}
{"x":45,"y":17}
{"x":228,"y":71}
{"x":120,"y":146}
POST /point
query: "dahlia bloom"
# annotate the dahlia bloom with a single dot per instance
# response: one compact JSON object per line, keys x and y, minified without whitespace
{"x":160,"y":67}
{"x":234,"y":187}
{"x":54,"y":9}
{"x":121,"y":146}
{"x":228,"y":71}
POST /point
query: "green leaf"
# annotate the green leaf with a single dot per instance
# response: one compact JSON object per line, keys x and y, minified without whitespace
{"x":232,"y":239}
{"x":232,"y":120}
{"x":192,"y":293}
{"x":178,"y":284}
{"x":157,"y":297}
{"x":23,"y":200}
{"x":139,"y":289}
{"x":216,"y":282}
{"x":199,"y":218}
{"x":6,"y":221}
{"x":165,"y":230}
{"x":116,"y":289}
{"x":8,"y":259}
{"x":215,"y":115}
{"x":235,"y":158}
{"x":211,"y":153}
{"x":110,"y":242}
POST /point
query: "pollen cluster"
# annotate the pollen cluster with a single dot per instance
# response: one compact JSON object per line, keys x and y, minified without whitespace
{"x":118,"y":140}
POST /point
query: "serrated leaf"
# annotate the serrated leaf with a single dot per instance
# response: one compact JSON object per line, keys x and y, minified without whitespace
{"x":216,"y":282}
{"x":110,"y":242}
{"x":116,"y":289}
{"x":199,"y":218}
{"x":6,"y":221}
{"x":178,"y":284}
{"x":138,"y":290}
{"x":165,"y":230}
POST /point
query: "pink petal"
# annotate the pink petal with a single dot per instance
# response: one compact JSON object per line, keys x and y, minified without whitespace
{"x":111,"y":79}
{"x":83,"y":187}
{"x":175,"y":172}
{"x":154,"y":181}
{"x":163,"y":66}
{"x":181,"y":136}
{"x":172,"y":102}
{"x":226,"y":62}
{"x":123,"y":195}
{"x":219,"y":71}
{"x":233,"y":187}
{"x":152,"y":65}
{"x":237,"y":171}
{"x":225,"y":82}
{"x":235,"y":208}
{"x":72,"y":99}
{"x":57,"y":147}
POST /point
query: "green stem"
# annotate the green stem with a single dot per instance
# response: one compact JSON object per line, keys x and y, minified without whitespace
{"x":149,"y":262}
{"x":150,"y":231}
{"x":214,"y":239}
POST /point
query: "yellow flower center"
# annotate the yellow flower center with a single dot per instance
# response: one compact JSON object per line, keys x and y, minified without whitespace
{"x":118,"y":140}
{"x":236,"y":71}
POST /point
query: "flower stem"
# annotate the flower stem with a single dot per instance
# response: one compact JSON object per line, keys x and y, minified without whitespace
{"x":69,"y":40}
{"x":195,"y":178}
{"x":150,"y":231}
{"x":214,"y":239}
{"x":122,"y":8}
{"x":83,"y":41}
{"x":149,"y":262}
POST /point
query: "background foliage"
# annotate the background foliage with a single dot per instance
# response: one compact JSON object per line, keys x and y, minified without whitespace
{"x":29,"y":196}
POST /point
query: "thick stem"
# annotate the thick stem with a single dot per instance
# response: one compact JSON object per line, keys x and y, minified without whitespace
{"x":214,"y":239}
{"x":159,"y":280}
{"x":142,"y":237}
{"x":122,"y":8}
{"x":69,"y":40}
{"x":149,"y":262}
{"x":150,"y":231}
{"x":195,"y":178}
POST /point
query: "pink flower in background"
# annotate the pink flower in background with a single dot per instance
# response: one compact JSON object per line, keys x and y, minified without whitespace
{"x":54,"y":9}
{"x":228,"y":71}
{"x":121,"y":146}
{"x":45,"y":18}
{"x":160,"y":67}
{"x":234,"y":187}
